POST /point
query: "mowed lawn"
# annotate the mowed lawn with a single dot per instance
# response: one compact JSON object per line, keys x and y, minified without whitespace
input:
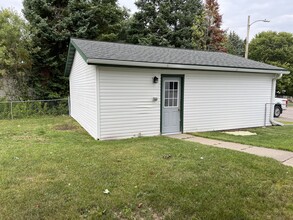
{"x":270,"y":137}
{"x":52,"y":169}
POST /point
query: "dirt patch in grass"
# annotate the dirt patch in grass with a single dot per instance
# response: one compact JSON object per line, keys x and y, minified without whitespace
{"x":240,"y":133}
{"x":142,"y":213}
{"x":40,"y":178}
{"x":29,"y":138}
{"x":65,"y":127}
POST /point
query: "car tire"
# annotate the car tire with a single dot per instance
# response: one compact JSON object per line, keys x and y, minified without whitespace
{"x":277,"y":111}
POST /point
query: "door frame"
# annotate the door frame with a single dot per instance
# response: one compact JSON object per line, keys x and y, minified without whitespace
{"x":182,"y":77}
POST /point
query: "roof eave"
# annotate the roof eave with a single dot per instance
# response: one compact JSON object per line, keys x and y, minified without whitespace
{"x":70,"y":56}
{"x":180,"y":66}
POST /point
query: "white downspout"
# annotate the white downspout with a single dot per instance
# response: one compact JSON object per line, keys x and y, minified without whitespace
{"x":272,"y":120}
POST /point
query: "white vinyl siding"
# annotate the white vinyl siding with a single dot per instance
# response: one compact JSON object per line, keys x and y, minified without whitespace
{"x":127,"y":108}
{"x":118,"y":102}
{"x":219,"y":101}
{"x":83,"y":95}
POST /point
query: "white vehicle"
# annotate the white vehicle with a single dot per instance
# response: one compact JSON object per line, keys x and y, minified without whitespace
{"x":280,"y":106}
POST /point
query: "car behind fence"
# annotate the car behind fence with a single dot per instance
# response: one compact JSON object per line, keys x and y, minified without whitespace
{"x":33,"y":108}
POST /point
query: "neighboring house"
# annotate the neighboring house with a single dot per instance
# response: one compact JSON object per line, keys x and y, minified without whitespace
{"x":121,"y":90}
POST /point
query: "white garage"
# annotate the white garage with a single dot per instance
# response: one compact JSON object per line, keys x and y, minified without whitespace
{"x":122,"y":90}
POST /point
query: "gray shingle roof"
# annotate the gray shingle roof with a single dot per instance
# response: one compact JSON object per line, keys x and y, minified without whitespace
{"x":151,"y":54}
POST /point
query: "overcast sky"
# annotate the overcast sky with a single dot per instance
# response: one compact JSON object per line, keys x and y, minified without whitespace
{"x":235,"y":13}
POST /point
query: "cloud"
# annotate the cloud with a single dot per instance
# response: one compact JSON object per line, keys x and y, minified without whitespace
{"x":235,"y":15}
{"x":15,"y":4}
{"x":128,"y":4}
{"x":278,"y":12}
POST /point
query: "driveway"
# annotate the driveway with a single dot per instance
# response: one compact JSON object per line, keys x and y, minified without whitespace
{"x":287,"y":115}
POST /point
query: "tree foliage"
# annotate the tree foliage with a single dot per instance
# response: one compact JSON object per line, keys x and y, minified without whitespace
{"x":276,"y":49}
{"x":15,"y":61}
{"x":234,"y":44}
{"x":207,"y":31}
{"x":200,"y":31}
{"x":54,"y":22}
{"x":35,"y":54}
{"x":163,"y":23}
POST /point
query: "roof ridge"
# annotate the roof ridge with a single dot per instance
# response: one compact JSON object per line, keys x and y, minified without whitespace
{"x":161,"y":47}
{"x":120,"y":51}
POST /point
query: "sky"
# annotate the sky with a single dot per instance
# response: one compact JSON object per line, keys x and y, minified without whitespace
{"x":235,"y":13}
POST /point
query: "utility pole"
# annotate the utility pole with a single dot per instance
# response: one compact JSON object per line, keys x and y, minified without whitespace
{"x":247,"y":38}
{"x":248,"y":32}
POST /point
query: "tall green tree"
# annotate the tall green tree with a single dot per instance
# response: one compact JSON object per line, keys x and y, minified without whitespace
{"x":15,"y":60}
{"x":207,"y":28}
{"x":164,"y":22}
{"x":276,"y":49}
{"x":54,"y":22}
{"x":234,"y":44}
{"x":200,"y":31}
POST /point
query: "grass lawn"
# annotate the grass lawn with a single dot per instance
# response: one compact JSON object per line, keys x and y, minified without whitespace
{"x":51,"y":169}
{"x":286,"y":122}
{"x":271,"y":137}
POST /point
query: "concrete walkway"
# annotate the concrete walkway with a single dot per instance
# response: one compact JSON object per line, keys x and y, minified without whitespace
{"x":285,"y":157}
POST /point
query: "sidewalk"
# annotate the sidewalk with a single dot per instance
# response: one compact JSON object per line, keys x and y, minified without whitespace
{"x":285,"y":157}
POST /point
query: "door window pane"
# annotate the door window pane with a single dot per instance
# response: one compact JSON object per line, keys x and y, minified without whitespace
{"x":176,"y":85}
{"x":166,"y":94}
{"x":175,"y":94}
{"x":171,"y":93}
{"x":175,"y":102}
{"x":166,"y":103}
{"x":166,"y":85}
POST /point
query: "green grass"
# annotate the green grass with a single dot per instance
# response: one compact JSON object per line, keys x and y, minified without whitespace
{"x":51,"y":169}
{"x":271,"y":137}
{"x":290,"y":104}
{"x":286,"y":122}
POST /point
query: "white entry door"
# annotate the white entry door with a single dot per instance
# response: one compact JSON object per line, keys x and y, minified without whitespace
{"x":171,"y":98}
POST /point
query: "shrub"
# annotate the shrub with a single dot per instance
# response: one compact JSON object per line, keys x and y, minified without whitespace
{"x":29,"y":109}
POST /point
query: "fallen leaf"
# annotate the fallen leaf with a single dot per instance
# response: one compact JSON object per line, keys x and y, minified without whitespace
{"x":106,"y":191}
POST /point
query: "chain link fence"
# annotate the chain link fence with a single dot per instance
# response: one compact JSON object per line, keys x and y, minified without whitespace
{"x":33,"y":108}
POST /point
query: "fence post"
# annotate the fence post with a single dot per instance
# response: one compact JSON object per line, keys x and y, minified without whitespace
{"x":11,"y":110}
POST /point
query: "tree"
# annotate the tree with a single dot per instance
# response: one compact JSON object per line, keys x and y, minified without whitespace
{"x":15,"y":61}
{"x":207,"y":32}
{"x":200,"y":32}
{"x":163,"y":23}
{"x":275,"y":49}
{"x":54,"y":22}
{"x":234,"y":44}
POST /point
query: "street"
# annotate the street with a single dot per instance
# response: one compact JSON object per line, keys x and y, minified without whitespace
{"x":287,"y":115}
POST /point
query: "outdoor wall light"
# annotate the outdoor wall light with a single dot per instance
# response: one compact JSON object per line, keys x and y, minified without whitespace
{"x":155,"y":79}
